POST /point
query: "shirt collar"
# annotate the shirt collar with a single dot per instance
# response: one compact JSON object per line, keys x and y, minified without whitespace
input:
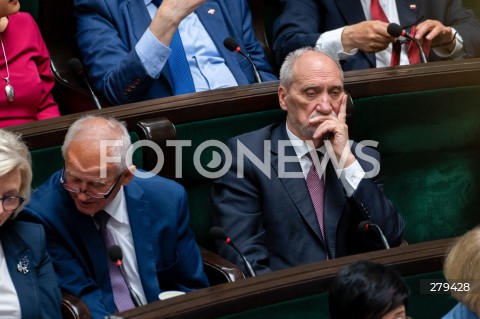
{"x":114,"y":209}
{"x":300,"y":146}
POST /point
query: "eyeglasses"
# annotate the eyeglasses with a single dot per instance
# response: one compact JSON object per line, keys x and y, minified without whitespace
{"x":11,"y":202}
{"x":93,"y":194}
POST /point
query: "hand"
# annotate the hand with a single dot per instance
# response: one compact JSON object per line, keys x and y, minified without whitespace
{"x":168,"y":18}
{"x":334,"y":128}
{"x":367,"y":36}
{"x":440,"y":35}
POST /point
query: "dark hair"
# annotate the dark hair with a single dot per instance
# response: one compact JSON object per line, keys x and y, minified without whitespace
{"x":365,"y":290}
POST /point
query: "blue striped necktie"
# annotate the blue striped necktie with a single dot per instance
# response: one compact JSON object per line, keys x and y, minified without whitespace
{"x":178,"y":64}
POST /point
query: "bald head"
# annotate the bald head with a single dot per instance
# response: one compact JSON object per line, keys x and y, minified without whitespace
{"x":90,"y":131}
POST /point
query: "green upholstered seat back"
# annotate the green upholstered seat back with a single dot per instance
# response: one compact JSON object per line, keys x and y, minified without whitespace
{"x":420,"y":305}
{"x":47,"y":161}
{"x":430,"y":146}
{"x":198,"y":186}
{"x":30,"y":6}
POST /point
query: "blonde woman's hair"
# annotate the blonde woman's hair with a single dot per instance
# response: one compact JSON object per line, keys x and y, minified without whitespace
{"x":15,"y":154}
{"x":462,"y":266}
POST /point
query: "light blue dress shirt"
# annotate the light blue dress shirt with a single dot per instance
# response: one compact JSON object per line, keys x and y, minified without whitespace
{"x":207,"y":66}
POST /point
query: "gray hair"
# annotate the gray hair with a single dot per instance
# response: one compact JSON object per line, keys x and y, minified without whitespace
{"x":15,"y":154}
{"x":286,"y":71}
{"x":96,"y":128}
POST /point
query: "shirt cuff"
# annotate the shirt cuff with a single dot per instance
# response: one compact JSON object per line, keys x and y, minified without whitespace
{"x":331,"y":41}
{"x":457,"y":53}
{"x":152,"y":53}
{"x":351,"y":177}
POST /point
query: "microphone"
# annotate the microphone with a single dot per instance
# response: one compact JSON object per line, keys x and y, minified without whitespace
{"x":366,"y":226}
{"x":77,"y":67}
{"x":115,"y":254}
{"x":233,"y":46}
{"x":395,"y":31}
{"x":219,"y":233}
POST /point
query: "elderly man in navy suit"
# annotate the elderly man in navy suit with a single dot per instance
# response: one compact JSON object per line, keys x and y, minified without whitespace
{"x":356,"y":31}
{"x":281,"y":204}
{"x":94,"y":204}
{"x":135,"y":50}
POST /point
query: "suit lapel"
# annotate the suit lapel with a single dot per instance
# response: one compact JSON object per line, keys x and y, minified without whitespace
{"x":408,"y":11}
{"x":211,"y":16}
{"x":18,"y":257}
{"x":296,"y":188}
{"x":140,"y":219}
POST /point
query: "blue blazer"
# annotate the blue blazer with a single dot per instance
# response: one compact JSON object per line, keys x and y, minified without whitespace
{"x":108,"y":31}
{"x":37,"y":288}
{"x":167,"y":255}
{"x":303,"y":21}
{"x":272,"y":219}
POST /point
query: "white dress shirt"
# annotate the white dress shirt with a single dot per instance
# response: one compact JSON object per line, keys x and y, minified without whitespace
{"x":119,"y":226}
{"x":9,"y":303}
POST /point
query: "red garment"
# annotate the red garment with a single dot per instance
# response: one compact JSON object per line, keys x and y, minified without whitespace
{"x":30,"y":75}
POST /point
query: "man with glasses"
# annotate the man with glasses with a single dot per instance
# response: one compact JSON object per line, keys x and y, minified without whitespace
{"x":95,"y":202}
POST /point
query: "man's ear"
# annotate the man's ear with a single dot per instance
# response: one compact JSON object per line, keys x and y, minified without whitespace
{"x":282,"y":93}
{"x":128,"y":174}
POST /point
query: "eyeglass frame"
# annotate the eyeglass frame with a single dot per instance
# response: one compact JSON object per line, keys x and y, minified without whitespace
{"x":20,"y":202}
{"x":78,"y":190}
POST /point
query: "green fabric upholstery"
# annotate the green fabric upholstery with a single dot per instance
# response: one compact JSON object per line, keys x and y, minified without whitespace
{"x":198,"y":187}
{"x":421,"y":304}
{"x":47,"y":161}
{"x":429,"y":143}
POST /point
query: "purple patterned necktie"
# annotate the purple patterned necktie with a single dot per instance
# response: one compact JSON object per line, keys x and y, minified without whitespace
{"x":121,"y":294}
{"x":316,"y":188}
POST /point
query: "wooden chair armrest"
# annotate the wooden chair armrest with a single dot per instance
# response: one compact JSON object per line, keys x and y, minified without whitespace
{"x":218,"y":269}
{"x":73,"y":307}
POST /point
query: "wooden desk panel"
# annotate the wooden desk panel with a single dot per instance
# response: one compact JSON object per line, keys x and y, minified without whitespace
{"x":288,"y":284}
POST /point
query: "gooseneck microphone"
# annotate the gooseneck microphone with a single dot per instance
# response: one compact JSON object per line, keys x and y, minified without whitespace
{"x":219,"y":233}
{"x":366,"y":226}
{"x":115,"y":254}
{"x":77,"y":67}
{"x":233,"y":46}
{"x":395,"y":31}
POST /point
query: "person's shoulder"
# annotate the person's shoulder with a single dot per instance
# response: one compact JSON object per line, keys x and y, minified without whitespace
{"x":257,"y":136}
{"x":22,"y":17}
{"x":30,"y":233}
{"x":156,"y":182}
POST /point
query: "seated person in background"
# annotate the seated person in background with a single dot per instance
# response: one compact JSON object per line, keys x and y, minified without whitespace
{"x":462,"y":268}
{"x":96,"y":202}
{"x":366,"y":290}
{"x":357,"y":30}
{"x":139,"y":50}
{"x":24,"y":68}
{"x":29,"y":287}
{"x":296,"y":210}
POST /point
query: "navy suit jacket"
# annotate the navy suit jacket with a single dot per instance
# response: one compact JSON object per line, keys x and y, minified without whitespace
{"x":303,"y":21}
{"x":108,"y":31}
{"x":272,"y":220}
{"x":37,"y":289}
{"x":167,"y":255}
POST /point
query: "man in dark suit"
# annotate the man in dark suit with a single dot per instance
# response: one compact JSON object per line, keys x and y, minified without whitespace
{"x":267,"y":206}
{"x":148,"y":219}
{"x":127,"y":46}
{"x":347,"y":28}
